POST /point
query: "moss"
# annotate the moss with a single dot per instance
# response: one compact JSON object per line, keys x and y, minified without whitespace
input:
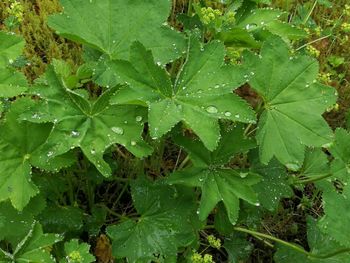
{"x":42,"y":44}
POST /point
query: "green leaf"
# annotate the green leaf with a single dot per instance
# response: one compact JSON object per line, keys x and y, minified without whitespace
{"x":319,"y":243}
{"x":336,"y":221}
{"x":340,"y":150}
{"x":34,"y":247}
{"x":164,"y":225}
{"x":11,"y":83}
{"x":77,"y":252}
{"x":201,"y":94}
{"x":96,"y":220}
{"x":56,"y":219}
{"x":11,"y":47}
{"x":20,"y":151}
{"x":238,"y":248}
{"x":315,"y":164}
{"x":288,"y":88}
{"x":221,"y":221}
{"x":238,"y":37}
{"x":274,"y":184}
{"x":268,"y":19}
{"x":110,"y":26}
{"x":14,"y":224}
{"x":218,"y":183}
{"x":286,"y":31}
{"x":91,"y":126}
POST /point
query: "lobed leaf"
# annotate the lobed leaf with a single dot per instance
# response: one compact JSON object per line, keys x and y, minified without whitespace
{"x":218,"y":183}
{"x":289,"y":90}
{"x":164,"y":225}
{"x":111,"y":26}
{"x":20,"y":151}
{"x":201,"y":94}
{"x":91,"y":126}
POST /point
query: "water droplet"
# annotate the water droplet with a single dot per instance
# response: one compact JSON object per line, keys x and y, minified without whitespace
{"x":227,"y":114}
{"x":292,"y":166}
{"x":138,"y":118}
{"x":212,"y":109}
{"x":243,"y":175}
{"x":75,"y":134}
{"x":35,"y":116}
{"x":117,"y":130}
{"x":133,"y":143}
{"x":49,"y":154}
{"x":93,"y":151}
{"x":237,"y":116}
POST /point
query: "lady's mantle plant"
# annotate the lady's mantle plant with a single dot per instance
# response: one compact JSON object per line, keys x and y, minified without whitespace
{"x":145,"y":86}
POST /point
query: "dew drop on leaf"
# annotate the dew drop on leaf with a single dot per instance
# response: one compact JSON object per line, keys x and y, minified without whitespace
{"x":138,"y":118}
{"x":228,"y":114}
{"x":243,"y":175}
{"x":212,"y":109}
{"x":75,"y":134}
{"x":117,"y":130}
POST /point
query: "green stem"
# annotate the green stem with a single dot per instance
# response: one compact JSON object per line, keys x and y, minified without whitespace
{"x":310,"y":12}
{"x":123,"y":180}
{"x":120,"y":195}
{"x":111,"y":211}
{"x":71,"y":188}
{"x":189,"y":8}
{"x":184,"y":162}
{"x":292,"y":246}
{"x":313,"y":179}
{"x":313,"y":41}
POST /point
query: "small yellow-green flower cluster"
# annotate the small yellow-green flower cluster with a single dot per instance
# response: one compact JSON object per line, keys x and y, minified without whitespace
{"x":230,"y":17}
{"x":75,"y":257}
{"x":16,"y":10}
{"x":313,"y":51}
{"x":347,"y":10}
{"x":325,"y":77}
{"x":209,"y":14}
{"x":345,"y":27}
{"x":197,"y":258}
{"x":318,"y":31}
{"x":334,"y":107}
{"x":307,"y":30}
{"x":233,"y":54}
{"x":214,"y":242}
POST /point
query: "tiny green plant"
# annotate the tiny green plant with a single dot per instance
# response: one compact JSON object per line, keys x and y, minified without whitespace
{"x":172,"y":141}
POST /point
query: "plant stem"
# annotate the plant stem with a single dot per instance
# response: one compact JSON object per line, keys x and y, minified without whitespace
{"x":313,"y":179}
{"x":311,"y":42}
{"x":111,"y":211}
{"x":120,"y":195}
{"x":189,"y":8}
{"x":292,"y":246}
{"x":310,"y":12}
{"x":184,"y":162}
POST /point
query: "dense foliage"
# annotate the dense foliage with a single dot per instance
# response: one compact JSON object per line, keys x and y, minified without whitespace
{"x":175,"y":140}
